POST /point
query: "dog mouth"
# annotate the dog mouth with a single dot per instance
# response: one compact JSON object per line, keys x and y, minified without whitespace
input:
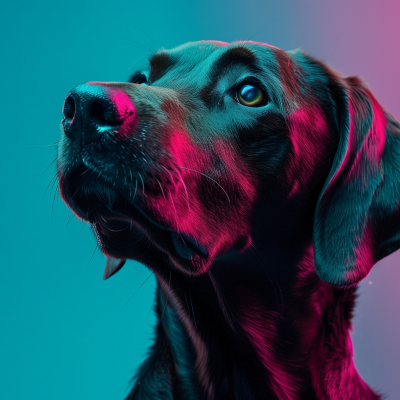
{"x":124,"y":227}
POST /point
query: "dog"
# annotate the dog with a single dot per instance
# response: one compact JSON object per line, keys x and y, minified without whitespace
{"x":260,"y":187}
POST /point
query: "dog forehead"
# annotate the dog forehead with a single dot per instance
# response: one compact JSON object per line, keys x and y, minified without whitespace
{"x":203,"y":49}
{"x":199,"y":58}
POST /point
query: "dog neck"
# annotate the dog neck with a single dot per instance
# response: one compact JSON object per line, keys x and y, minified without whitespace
{"x":260,"y":324}
{"x":241,"y":335}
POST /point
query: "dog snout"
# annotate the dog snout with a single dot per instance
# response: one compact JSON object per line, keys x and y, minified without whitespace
{"x":92,"y":109}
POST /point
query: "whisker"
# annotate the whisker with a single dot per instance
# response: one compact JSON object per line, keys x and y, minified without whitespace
{"x":139,"y":46}
{"x":52,"y":187}
{"x":206,"y":176}
{"x":84,"y":172}
{"x":136,"y":268}
{"x":162,"y":191}
{"x":169,"y":172}
{"x":115,"y":230}
{"x":70,"y":219}
{"x":135,"y":27}
{"x":51,"y":181}
{"x":83,"y":273}
{"x":55,"y":159}
{"x":262,"y":30}
{"x":142,"y":183}
{"x":184,"y":187}
{"x":130,"y":184}
{"x":176,"y":214}
{"x":130,"y":298}
{"x":134,"y":195}
{"x":39,"y":147}
{"x":129,"y":68}
{"x":52,"y":206}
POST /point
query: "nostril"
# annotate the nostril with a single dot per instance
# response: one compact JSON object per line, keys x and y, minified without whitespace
{"x":103,"y":115}
{"x":91,"y":110}
{"x":69,"y":108}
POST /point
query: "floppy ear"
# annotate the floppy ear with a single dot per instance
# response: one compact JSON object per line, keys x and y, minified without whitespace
{"x":357,"y":218}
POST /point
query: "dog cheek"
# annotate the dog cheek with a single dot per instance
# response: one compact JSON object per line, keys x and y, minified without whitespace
{"x":230,"y":201}
{"x":309,"y":135}
{"x":265,"y":146}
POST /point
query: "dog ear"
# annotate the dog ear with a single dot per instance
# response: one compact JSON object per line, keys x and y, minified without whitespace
{"x":357,"y":218}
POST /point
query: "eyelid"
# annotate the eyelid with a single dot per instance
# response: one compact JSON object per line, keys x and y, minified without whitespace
{"x":251,"y":80}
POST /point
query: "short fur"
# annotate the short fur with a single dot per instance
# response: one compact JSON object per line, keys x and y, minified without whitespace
{"x":258,"y":222}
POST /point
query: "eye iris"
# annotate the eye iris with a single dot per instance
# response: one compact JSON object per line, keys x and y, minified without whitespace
{"x":250,"y":95}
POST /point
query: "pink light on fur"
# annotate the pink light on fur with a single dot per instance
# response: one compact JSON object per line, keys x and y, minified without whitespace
{"x":122,"y":106}
{"x":308,"y":129}
{"x":364,"y":256}
{"x":218,"y":223}
{"x":260,"y":327}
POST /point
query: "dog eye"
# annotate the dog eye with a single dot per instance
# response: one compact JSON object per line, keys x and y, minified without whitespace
{"x":251,"y":96}
{"x":138,"y":78}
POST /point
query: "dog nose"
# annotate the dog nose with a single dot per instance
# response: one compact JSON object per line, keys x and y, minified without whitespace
{"x":94,"y":108}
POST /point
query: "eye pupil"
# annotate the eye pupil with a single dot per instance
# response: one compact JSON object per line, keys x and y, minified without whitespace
{"x":250,"y":95}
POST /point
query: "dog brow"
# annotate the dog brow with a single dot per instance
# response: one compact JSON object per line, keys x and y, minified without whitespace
{"x":159,"y":63}
{"x":236,"y":55}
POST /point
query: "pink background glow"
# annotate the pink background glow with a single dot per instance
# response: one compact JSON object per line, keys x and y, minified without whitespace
{"x":65,"y":333}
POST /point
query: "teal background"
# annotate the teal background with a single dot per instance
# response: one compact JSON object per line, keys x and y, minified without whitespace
{"x":64,"y":332}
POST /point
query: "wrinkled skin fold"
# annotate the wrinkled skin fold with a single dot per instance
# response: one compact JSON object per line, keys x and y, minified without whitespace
{"x":257,"y":219}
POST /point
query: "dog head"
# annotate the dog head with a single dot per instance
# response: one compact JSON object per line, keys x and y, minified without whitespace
{"x":171,"y":167}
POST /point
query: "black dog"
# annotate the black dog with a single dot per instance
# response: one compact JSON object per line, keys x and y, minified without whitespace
{"x":260,"y":187}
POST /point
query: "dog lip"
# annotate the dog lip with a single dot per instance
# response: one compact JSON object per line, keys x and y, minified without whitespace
{"x":185,"y":247}
{"x":181,"y":248}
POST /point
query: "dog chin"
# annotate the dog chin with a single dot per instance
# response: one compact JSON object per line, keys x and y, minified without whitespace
{"x":121,"y":239}
{"x":126,"y":237}
{"x":125,"y":231}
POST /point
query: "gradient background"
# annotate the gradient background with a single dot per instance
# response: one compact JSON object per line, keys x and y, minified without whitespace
{"x":63,"y":331}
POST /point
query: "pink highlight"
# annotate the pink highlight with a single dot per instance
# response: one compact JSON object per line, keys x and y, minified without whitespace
{"x":258,"y":44}
{"x":333,"y":372}
{"x":378,"y":130}
{"x":192,"y":168}
{"x":309,"y":136}
{"x":364,"y":256}
{"x":216,"y":43}
{"x":287,"y":77}
{"x":124,"y":108}
{"x":182,"y":203}
{"x":123,"y":104}
{"x":373,"y":141}
{"x":260,"y":328}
